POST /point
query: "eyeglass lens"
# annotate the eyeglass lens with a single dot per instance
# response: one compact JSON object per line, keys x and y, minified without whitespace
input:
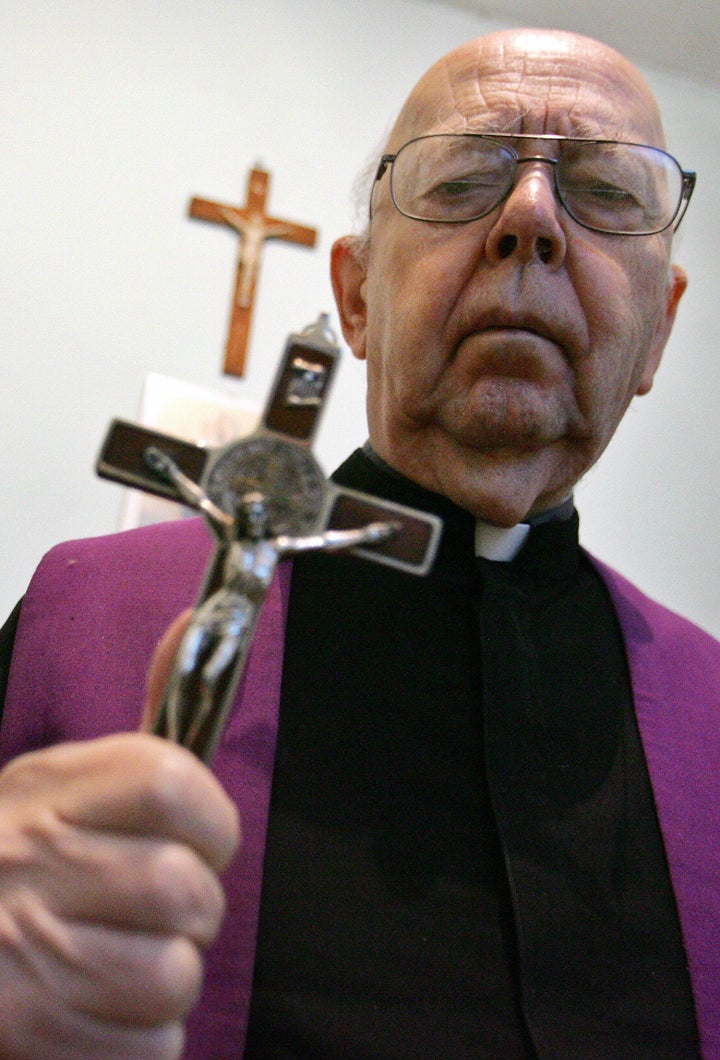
{"x":610,"y":187}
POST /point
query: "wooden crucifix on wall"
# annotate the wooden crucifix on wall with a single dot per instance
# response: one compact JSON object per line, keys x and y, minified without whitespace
{"x":254,"y":227}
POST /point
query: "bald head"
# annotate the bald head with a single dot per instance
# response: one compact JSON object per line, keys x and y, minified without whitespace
{"x":527,"y":69}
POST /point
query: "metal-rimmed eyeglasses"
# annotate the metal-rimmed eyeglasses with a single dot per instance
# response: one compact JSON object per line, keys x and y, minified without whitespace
{"x":605,"y":185}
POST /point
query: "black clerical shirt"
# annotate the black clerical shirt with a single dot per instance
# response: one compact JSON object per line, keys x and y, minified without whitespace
{"x":463,"y":856}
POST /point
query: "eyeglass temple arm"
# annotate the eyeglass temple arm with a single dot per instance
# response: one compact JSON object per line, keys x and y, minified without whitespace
{"x":688,"y":186}
{"x":384,"y":163}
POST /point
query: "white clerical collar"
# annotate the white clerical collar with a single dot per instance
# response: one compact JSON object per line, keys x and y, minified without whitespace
{"x":499,"y":543}
{"x":502,"y":543}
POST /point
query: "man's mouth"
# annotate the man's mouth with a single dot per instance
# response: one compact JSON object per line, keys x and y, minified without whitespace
{"x":529,"y":323}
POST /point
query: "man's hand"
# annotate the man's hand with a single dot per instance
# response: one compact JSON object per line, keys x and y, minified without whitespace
{"x":110,"y":853}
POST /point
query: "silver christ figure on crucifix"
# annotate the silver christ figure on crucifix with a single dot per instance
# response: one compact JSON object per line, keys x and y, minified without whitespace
{"x":220,"y":631}
{"x":264,"y":498}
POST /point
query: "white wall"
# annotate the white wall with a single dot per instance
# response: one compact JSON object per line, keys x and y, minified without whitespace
{"x":115,"y":113}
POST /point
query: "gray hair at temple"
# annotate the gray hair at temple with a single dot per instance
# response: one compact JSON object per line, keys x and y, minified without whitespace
{"x":359,"y":240}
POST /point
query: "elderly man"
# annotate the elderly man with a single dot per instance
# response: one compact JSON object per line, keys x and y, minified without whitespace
{"x":492,"y":829}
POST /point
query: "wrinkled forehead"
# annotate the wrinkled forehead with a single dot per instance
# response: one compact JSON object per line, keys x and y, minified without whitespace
{"x":532,"y":81}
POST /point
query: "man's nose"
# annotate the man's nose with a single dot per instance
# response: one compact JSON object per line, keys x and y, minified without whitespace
{"x":528,"y":221}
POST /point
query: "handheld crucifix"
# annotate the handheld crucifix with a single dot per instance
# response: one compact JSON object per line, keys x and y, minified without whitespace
{"x":264,"y":498}
{"x":254,"y":227}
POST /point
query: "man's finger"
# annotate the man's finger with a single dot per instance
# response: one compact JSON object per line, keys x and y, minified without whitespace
{"x":128,"y":783}
{"x":161,"y":667}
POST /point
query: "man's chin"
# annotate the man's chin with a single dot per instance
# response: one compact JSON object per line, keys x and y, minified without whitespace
{"x":501,"y":484}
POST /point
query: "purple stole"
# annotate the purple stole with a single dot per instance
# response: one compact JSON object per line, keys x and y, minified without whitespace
{"x":675,"y":673}
{"x":96,"y":608}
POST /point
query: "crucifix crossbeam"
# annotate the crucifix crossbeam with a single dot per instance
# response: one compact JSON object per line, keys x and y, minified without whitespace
{"x":264,"y":498}
{"x":254,"y":227}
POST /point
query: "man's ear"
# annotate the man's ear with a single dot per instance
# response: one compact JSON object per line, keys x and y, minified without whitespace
{"x":348,"y":274}
{"x":676,"y":288}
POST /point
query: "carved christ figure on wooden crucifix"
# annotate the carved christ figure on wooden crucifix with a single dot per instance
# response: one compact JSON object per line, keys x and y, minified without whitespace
{"x":254,"y":226}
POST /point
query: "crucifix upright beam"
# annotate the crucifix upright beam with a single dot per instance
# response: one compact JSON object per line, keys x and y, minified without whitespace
{"x":254,"y":227}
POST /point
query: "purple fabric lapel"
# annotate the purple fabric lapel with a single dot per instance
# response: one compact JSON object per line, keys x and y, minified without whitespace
{"x":91,"y":618}
{"x":675,"y":671}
